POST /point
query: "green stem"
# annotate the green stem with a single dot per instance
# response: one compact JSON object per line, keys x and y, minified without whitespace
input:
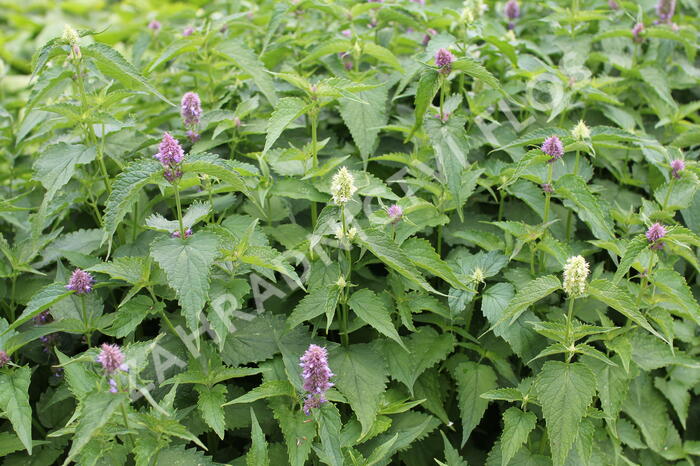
{"x":439,"y":240}
{"x":314,"y":154}
{"x":126,"y":424}
{"x":501,"y":205}
{"x":344,"y":337}
{"x":12,"y":299}
{"x":645,"y":279}
{"x":314,"y":137}
{"x":442,"y":94}
{"x":90,"y":131}
{"x":569,"y":330}
{"x":85,"y":319}
{"x":570,"y":215}
{"x":547,"y":199}
{"x":668,"y":193}
{"x":134,"y":226}
{"x":547,"y":195}
{"x":179,"y":210}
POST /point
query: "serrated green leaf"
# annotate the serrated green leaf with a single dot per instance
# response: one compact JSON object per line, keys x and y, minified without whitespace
{"x":130,"y":269}
{"x":452,"y":457}
{"x":187,"y":264}
{"x":286,"y":111}
{"x":621,"y":301}
{"x":612,"y":383}
{"x":320,"y":300}
{"x":565,"y":392}
{"x":125,"y":188}
{"x":112,"y":64}
{"x":195,"y":212}
{"x":451,"y":146}
{"x":179,"y":456}
{"x":634,"y":248}
{"x":517,"y":425}
{"x":373,"y":310}
{"x":132,"y":313}
{"x":646,"y":407}
{"x":56,"y":164}
{"x":428,"y":85}
{"x":328,"y":419}
{"x":389,"y":252}
{"x":205,"y":163}
{"x":360,"y":375}
{"x":421,"y":254}
{"x":382,"y":54}
{"x":298,"y":434}
{"x":248,"y":61}
{"x":472,"y":380}
{"x":268,"y":389}
{"x":14,"y":402}
{"x":675,"y":289}
{"x":529,"y":294}
{"x":476,"y":70}
{"x":42,"y":300}
{"x":577,"y":195}
{"x":98,"y":408}
{"x":426,"y":347}
{"x":364,"y":120}
{"x":210,"y":407}
{"x":522,"y":339}
{"x":257,"y":455}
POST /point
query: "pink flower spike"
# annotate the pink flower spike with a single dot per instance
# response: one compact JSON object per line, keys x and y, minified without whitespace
{"x":443,"y":60}
{"x":111,"y":358}
{"x":553,"y":147}
{"x":677,"y":166}
{"x":80,"y":281}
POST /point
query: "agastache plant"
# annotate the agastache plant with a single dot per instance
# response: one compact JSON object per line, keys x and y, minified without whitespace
{"x":512,"y":12}
{"x":665,"y":10}
{"x":191,"y":112}
{"x":316,"y":375}
{"x":350,"y":233}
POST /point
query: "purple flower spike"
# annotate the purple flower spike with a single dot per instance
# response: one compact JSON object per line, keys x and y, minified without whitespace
{"x":346,"y":32}
{"x":154,"y":25}
{"x":4,"y":358}
{"x":421,"y":2}
{"x":395,"y":213}
{"x":169,"y":151}
{"x":80,"y":281}
{"x":188,"y":31}
{"x":677,"y":167}
{"x":316,"y":375}
{"x":512,"y":10}
{"x":553,"y":147}
{"x":113,"y":386}
{"x":613,"y":5}
{"x":191,"y":109}
{"x":665,"y":10}
{"x":111,"y":358}
{"x":443,"y":60}
{"x":654,"y":234}
{"x":637,"y":31}
{"x":546,"y":187}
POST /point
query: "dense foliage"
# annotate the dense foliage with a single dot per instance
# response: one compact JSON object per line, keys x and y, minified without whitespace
{"x":395,"y":232}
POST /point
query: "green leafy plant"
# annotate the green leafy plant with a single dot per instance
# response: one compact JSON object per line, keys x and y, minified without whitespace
{"x":349,"y":233}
